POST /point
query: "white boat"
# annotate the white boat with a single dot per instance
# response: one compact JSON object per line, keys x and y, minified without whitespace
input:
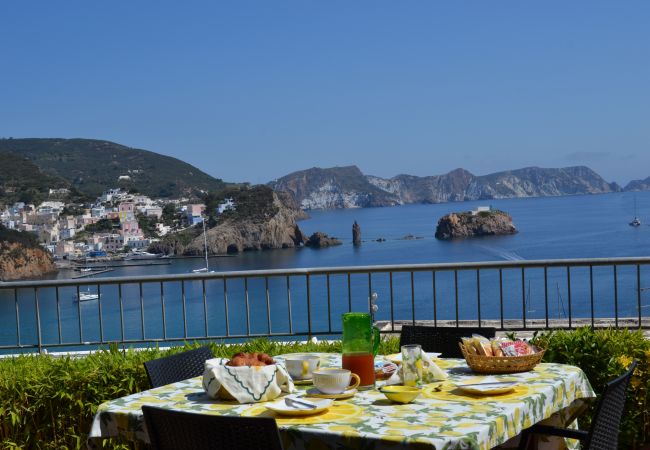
{"x":141,"y":255}
{"x":87,"y":296}
{"x":205,"y":269}
{"x":86,"y":269}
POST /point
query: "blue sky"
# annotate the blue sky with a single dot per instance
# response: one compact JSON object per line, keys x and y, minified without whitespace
{"x":250,"y":91}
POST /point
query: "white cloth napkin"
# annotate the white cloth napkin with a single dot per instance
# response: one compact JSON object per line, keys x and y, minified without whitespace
{"x":430,"y":372}
{"x":246,"y":384}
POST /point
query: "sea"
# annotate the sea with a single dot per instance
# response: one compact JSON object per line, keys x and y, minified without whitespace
{"x":582,"y":226}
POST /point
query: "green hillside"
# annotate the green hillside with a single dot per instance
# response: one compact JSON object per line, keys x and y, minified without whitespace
{"x":93,"y":166}
{"x":22,"y":181}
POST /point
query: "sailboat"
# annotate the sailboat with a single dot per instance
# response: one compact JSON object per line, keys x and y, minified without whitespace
{"x":636,"y":221}
{"x":205,"y":269}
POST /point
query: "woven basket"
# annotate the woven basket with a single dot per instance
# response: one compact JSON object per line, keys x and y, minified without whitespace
{"x":501,"y":364}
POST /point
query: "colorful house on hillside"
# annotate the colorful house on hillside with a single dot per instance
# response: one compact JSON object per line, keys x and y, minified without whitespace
{"x":194,"y":213}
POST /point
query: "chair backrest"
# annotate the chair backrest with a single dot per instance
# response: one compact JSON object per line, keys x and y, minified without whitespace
{"x":178,"y":367}
{"x":180,"y":430}
{"x":605,"y":424}
{"x":440,"y":339}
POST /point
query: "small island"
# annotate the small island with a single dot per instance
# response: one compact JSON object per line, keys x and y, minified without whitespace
{"x":483,"y":221}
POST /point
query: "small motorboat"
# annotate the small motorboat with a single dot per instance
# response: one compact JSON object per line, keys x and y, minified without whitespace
{"x":87,"y":296}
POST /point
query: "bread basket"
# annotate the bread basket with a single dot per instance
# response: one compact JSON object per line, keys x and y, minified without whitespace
{"x":491,"y":365}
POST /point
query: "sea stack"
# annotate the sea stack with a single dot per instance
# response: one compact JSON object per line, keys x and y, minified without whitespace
{"x":483,"y":221}
{"x":356,"y":233}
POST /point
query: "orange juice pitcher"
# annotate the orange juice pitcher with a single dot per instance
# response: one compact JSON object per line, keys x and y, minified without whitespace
{"x":360,"y":345}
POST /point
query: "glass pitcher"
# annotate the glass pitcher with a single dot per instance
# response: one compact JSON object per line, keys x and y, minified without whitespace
{"x":360,"y":345}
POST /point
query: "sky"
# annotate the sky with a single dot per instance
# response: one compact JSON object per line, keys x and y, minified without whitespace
{"x":251,"y":91}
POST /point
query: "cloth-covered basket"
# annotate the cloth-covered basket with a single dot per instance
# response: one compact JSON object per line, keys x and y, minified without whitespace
{"x":245,"y":384}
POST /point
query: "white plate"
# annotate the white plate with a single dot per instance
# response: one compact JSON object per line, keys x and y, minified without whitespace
{"x":496,"y":388}
{"x":281,"y":407}
{"x":397,"y":357}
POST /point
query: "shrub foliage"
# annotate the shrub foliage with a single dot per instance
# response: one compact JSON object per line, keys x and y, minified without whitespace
{"x":603,"y":355}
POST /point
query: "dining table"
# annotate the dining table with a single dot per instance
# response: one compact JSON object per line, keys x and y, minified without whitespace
{"x":443,"y":416}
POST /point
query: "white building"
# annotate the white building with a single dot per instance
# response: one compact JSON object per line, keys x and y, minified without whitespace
{"x":481,"y":209}
{"x":226,"y":205}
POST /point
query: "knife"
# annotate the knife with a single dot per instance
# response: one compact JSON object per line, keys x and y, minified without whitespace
{"x":304,"y":403}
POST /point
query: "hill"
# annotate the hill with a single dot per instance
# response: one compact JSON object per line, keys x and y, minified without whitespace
{"x":92,"y":166}
{"x":348,"y":187}
{"x":638,"y":185}
{"x":22,"y":181}
{"x":336,"y":187}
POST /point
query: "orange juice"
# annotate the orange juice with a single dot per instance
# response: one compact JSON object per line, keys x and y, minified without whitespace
{"x":363,"y":364}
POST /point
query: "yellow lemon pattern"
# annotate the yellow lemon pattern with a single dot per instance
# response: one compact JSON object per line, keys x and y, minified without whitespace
{"x":441,"y":417}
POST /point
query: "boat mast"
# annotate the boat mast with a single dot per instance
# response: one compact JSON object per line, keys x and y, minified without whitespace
{"x":205,"y":245}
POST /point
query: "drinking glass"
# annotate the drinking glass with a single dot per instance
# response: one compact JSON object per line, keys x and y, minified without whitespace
{"x":412,"y":365}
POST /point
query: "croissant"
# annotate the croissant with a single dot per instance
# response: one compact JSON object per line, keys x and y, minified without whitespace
{"x":250,"y":359}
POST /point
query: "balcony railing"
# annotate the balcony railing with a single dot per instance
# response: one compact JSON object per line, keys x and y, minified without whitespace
{"x":510,"y":295}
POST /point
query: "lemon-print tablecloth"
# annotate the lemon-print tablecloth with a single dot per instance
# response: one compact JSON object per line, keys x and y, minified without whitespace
{"x":441,"y":418}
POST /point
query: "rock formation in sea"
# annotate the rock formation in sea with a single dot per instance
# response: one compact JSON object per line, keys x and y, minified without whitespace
{"x":321,"y":240}
{"x":467,"y":224}
{"x":356,"y":233}
{"x":21,"y":257}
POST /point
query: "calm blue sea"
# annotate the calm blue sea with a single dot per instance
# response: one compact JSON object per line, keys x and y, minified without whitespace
{"x":559,"y":227}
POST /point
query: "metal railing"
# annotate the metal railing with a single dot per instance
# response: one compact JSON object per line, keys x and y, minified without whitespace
{"x":510,"y":295}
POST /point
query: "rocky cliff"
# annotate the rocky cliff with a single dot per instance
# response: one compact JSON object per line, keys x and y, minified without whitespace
{"x":347,"y":187}
{"x":638,"y":185}
{"x":21,"y":257}
{"x":489,"y":223}
{"x":261,"y":220}
{"x":336,"y":187}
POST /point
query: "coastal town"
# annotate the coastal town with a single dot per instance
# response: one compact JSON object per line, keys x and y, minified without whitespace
{"x":117,"y":225}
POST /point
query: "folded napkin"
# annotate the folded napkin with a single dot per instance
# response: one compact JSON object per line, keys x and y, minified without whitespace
{"x":246,"y":384}
{"x":427,"y":372}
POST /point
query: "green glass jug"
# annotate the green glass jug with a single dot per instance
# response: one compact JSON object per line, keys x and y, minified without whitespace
{"x":360,"y":345}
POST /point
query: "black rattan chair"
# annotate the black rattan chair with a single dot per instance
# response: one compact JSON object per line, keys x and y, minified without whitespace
{"x":603,"y":434}
{"x":440,"y":339}
{"x":179,"y":430}
{"x":178,"y":367}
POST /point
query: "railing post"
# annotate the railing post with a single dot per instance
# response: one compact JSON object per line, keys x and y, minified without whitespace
{"x":38,"y":321}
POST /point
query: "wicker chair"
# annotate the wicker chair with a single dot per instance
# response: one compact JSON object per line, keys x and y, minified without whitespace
{"x":177,"y":367}
{"x":179,"y":430}
{"x":440,"y":339}
{"x":603,"y":434}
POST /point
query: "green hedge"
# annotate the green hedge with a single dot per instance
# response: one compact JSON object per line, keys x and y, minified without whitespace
{"x":48,"y":403}
{"x":603,"y":355}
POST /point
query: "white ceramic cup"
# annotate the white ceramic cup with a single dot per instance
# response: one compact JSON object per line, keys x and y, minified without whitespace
{"x":301,"y":367}
{"x":334,"y":381}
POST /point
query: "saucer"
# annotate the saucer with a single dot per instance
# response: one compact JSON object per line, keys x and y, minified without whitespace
{"x":303,"y":382}
{"x":314,"y":392}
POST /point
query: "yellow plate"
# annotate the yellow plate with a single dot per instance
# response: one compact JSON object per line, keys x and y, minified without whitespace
{"x":488,"y":388}
{"x":303,"y":382}
{"x":280,"y":407}
{"x":314,"y":392}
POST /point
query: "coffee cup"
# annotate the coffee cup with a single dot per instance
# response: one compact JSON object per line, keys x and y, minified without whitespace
{"x":335,"y":381}
{"x":301,"y":367}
